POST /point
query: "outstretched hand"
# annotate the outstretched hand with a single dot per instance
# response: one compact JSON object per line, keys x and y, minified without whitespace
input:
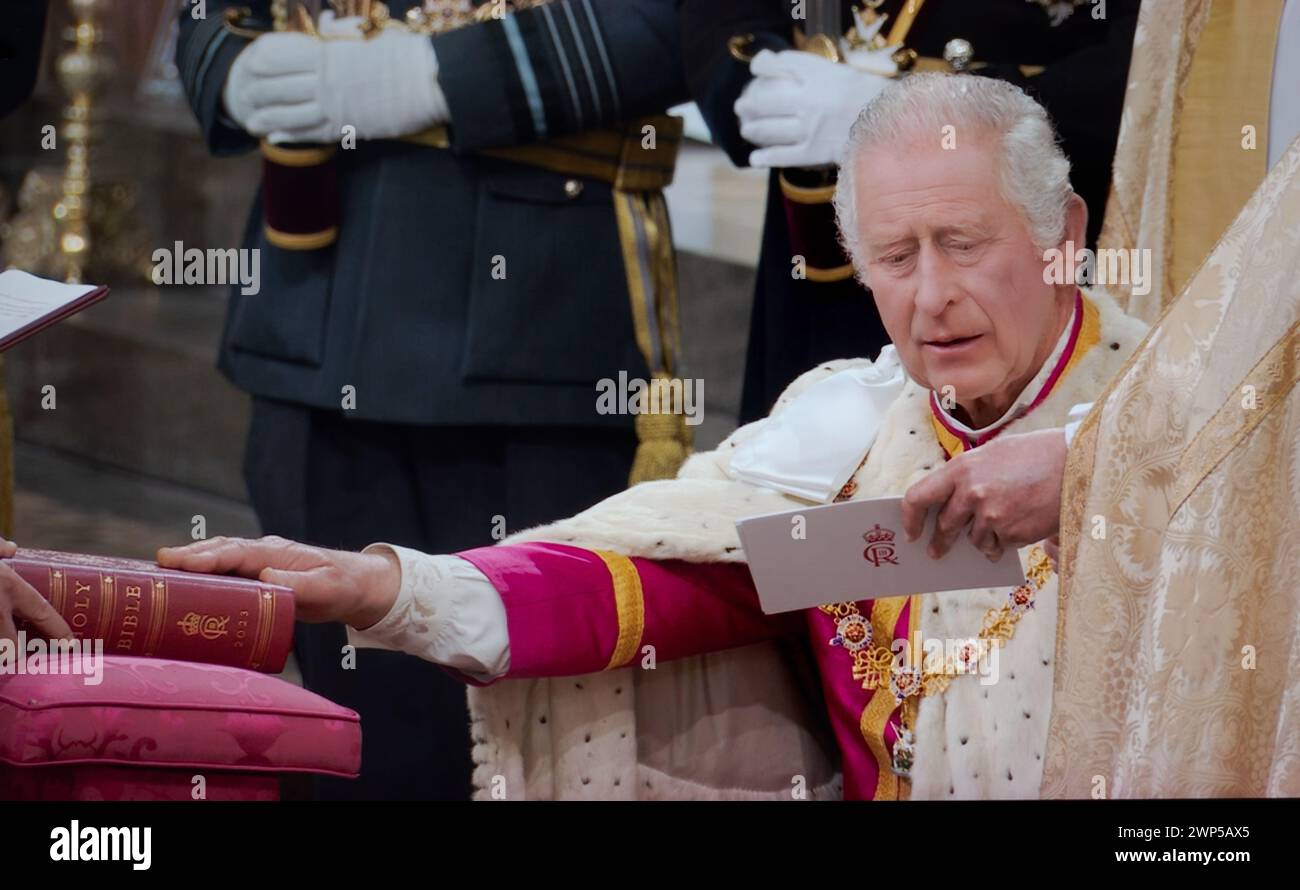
{"x":329,"y":585}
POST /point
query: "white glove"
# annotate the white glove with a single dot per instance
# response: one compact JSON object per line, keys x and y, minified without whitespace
{"x":295,"y":88}
{"x":799,"y":107}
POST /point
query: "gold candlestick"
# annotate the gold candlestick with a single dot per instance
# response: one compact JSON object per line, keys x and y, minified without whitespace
{"x":81,"y":71}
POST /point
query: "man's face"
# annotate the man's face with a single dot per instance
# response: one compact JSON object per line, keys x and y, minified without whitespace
{"x":956,"y":277}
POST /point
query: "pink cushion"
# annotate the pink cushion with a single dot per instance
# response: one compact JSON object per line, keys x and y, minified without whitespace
{"x":89,"y":781}
{"x":151,"y":712}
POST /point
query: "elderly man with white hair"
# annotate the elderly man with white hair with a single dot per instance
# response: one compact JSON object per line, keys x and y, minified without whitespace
{"x":953,"y":190}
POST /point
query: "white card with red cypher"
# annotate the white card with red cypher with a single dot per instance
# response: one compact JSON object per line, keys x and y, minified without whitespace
{"x":857,"y":550}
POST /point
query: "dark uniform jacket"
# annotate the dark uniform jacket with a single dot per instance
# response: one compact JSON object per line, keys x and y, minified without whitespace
{"x":404,"y":306}
{"x":20,"y":51}
{"x":797,"y":324}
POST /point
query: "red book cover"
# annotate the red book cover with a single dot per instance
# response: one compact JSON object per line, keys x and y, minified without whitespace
{"x":139,"y":608}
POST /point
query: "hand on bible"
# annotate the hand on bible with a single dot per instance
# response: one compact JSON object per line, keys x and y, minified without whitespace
{"x":329,"y":585}
{"x":1010,"y":488}
{"x":20,"y":599}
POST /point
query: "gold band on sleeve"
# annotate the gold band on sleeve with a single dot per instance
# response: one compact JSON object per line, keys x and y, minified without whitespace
{"x":629,"y":603}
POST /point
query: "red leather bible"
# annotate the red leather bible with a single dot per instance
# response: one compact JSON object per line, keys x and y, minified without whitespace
{"x":139,"y":608}
{"x":29,"y":304}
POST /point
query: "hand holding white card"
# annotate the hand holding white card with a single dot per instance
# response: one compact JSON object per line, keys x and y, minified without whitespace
{"x":857,"y":550}
{"x":29,"y":304}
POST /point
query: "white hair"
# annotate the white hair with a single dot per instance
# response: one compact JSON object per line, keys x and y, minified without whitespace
{"x":1035,"y":174}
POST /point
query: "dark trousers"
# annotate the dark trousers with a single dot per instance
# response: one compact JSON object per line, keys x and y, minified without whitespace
{"x":317,"y":477}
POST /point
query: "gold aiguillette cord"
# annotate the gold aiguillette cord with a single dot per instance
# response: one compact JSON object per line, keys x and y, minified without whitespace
{"x":903,"y":24}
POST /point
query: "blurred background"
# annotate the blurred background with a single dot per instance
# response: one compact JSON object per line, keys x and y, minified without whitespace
{"x":145,"y":434}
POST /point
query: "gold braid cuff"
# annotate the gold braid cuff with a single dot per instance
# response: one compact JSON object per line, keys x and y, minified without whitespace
{"x":629,"y":603}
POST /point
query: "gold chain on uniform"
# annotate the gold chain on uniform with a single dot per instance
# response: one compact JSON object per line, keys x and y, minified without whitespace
{"x":440,"y":16}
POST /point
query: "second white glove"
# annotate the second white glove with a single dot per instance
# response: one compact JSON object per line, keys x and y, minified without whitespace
{"x":799,"y":107}
{"x":292,"y":87}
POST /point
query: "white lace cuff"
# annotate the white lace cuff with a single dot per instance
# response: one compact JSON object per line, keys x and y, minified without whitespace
{"x":446,"y":612}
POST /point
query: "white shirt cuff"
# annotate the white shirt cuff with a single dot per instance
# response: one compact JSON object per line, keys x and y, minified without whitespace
{"x":446,"y":612}
{"x":1076,"y":416}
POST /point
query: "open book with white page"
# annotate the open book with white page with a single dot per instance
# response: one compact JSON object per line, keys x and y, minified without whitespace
{"x":29,"y":304}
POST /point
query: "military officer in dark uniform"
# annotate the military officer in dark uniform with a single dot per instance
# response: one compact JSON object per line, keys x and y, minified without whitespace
{"x":768,"y":108}
{"x":20,"y":51}
{"x":425,"y":373}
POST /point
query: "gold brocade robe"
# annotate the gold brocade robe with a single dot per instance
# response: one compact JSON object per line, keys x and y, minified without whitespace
{"x":1178,"y":646}
{"x":1193,"y":139}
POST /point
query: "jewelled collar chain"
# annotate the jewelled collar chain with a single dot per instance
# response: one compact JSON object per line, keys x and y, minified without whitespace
{"x":877,"y":667}
{"x":430,"y":17}
{"x":874,"y":663}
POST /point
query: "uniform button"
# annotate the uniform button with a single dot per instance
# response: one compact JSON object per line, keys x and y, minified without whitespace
{"x":958,"y":53}
{"x":572,"y":188}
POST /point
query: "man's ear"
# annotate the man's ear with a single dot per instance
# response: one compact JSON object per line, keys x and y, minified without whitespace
{"x":1076,"y":223}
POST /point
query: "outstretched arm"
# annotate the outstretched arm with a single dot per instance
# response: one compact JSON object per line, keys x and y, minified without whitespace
{"x":523,"y":610}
